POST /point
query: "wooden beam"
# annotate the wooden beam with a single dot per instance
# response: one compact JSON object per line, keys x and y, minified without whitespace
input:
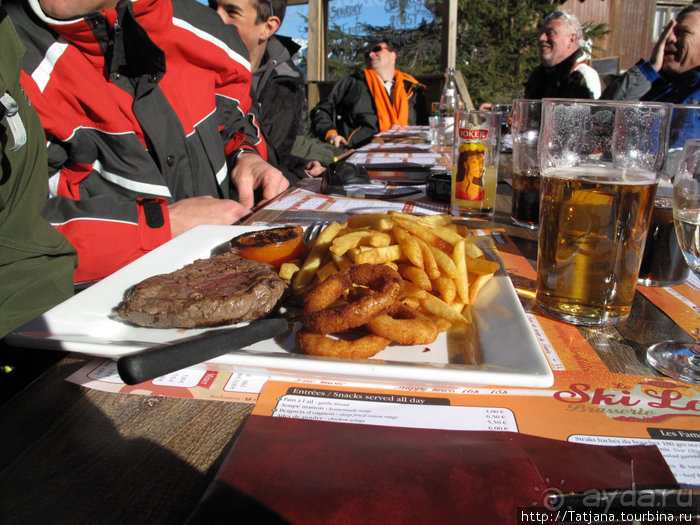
{"x":463,"y":90}
{"x":448,"y":57}
{"x":316,"y":52}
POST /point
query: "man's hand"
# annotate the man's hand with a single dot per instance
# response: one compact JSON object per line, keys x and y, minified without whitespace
{"x":314,"y":168}
{"x":252,"y":172}
{"x":188,"y":213}
{"x":657,"y":53}
{"x":336,"y":140}
{"x":485,"y":106}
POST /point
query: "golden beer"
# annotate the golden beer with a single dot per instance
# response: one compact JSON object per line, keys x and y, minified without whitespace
{"x":593,"y":226}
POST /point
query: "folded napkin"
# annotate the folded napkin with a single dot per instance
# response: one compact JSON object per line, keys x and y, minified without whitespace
{"x":315,"y":472}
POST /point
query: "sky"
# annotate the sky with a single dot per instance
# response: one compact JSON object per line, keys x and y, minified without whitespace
{"x":349,"y":14}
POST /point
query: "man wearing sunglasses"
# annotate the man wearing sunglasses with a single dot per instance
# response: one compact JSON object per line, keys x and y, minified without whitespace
{"x":366,"y":102}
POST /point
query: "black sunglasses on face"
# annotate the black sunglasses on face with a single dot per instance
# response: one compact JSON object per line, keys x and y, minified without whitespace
{"x":375,"y":49}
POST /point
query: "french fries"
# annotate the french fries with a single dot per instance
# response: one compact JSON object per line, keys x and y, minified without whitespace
{"x":343,"y":243}
{"x":431,"y":266}
{"x":303,"y":278}
{"x":446,"y":287}
{"x":461,"y":278}
{"x":442,"y":268}
{"x":416,"y":275}
{"x":287,"y":270}
{"x":420,"y":231}
{"x":379,"y":255}
{"x":410,"y":247}
{"x":444,"y":262}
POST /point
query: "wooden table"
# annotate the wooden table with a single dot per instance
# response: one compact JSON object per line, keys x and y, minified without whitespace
{"x":73,"y":455}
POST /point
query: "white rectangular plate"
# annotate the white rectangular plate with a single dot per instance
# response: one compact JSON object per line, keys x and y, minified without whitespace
{"x":87,"y":323}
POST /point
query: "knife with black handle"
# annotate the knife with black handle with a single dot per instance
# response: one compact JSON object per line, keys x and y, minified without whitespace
{"x":161,"y":360}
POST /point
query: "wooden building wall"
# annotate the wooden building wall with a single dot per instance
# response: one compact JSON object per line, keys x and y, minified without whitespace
{"x":631,"y":24}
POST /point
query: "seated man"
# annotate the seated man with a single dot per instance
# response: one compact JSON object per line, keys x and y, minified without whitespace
{"x":278,"y":88}
{"x":672,"y":74}
{"x":562,"y":71}
{"x":366,"y":102}
{"x":144,"y":107}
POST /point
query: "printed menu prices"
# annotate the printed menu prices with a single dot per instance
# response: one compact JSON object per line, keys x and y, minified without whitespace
{"x":640,"y":411}
{"x":371,"y":408}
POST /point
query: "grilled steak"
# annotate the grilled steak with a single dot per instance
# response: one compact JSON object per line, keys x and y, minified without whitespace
{"x":208,"y":292}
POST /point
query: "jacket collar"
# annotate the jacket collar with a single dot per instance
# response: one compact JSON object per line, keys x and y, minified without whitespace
{"x":278,"y":49}
{"x":566,"y":65}
{"x":119,"y":38}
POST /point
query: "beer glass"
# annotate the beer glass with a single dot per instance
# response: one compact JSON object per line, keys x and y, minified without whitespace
{"x":599,"y":166}
{"x":685,"y":126}
{"x":476,"y":150}
{"x":681,"y":359}
{"x":663,"y":263}
{"x":525,"y":209}
{"x":506,"y":115}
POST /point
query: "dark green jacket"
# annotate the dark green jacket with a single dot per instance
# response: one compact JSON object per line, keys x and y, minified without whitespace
{"x":36,"y":261}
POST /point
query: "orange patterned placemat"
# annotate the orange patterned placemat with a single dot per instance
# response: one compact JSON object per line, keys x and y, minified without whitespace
{"x":681,"y":303}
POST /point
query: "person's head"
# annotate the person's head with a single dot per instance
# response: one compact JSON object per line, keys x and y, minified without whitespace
{"x":256,"y":20}
{"x":682,"y":49}
{"x":560,"y":35}
{"x":67,"y":9}
{"x":381,"y":56}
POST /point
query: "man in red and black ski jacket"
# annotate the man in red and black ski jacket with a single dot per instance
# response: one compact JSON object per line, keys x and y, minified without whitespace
{"x":145,"y":108}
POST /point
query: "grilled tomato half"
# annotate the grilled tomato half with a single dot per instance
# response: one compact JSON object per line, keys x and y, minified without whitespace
{"x":274,"y":247}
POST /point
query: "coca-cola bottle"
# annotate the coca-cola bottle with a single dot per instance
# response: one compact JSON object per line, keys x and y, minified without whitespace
{"x":449,"y":104}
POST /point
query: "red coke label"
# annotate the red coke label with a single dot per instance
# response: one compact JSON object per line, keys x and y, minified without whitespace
{"x":473,"y":134}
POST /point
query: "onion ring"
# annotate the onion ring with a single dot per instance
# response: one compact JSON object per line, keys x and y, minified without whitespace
{"x":319,"y":317}
{"x":312,"y":343}
{"x":405,"y":326}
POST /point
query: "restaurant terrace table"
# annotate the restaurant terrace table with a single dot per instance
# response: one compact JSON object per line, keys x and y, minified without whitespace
{"x":70,"y":454}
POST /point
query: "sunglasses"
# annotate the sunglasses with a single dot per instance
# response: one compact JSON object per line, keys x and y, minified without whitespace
{"x":272,"y":11}
{"x":376,"y":49}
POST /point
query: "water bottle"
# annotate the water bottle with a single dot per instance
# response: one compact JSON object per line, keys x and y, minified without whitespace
{"x":449,"y":104}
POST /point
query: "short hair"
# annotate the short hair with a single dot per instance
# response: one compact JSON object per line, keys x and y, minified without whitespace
{"x":268,"y":8}
{"x":694,"y":7}
{"x":570,"y":19}
{"x":265,"y":9}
